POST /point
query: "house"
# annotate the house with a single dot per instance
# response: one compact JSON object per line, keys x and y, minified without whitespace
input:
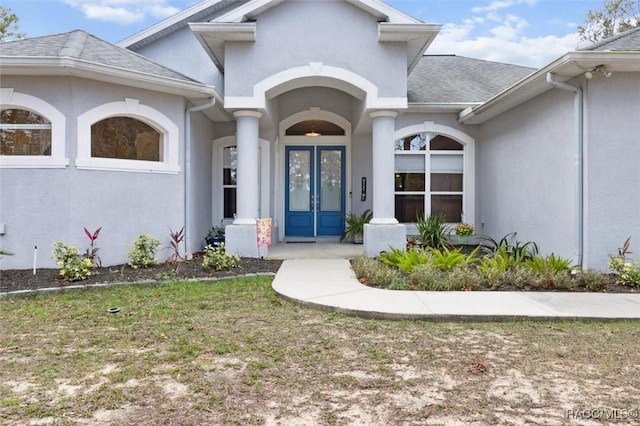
{"x":235,"y":110}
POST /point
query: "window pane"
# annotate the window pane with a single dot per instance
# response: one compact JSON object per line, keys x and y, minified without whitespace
{"x":448,"y":205}
{"x":229,"y":202}
{"x":410,"y":163}
{"x":409,"y":207}
{"x":25,"y":142}
{"x":21,"y":116}
{"x":331,"y":180}
{"x":412,"y":143}
{"x":229,"y":177}
{"x":299,"y":181}
{"x":125,"y":138}
{"x":443,"y":143}
{"x":410,"y":182}
{"x":447,"y":163}
{"x":230,"y":157}
{"x":24,"y":132}
{"x":446,"y":182}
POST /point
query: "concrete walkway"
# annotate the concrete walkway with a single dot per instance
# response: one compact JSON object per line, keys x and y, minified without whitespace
{"x":331,"y":284}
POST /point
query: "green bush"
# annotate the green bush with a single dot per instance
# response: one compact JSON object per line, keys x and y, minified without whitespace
{"x":377,"y":274}
{"x":446,"y":259}
{"x":427,"y":278}
{"x":73,"y":267}
{"x":551,"y":263}
{"x":464,"y":279}
{"x":144,"y":252}
{"x":405,"y":260}
{"x":592,"y":280}
{"x":628,"y":272}
{"x":434,"y":232}
{"x":217,"y":258}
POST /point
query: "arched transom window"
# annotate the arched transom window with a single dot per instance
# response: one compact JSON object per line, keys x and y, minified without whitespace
{"x":429,"y":177}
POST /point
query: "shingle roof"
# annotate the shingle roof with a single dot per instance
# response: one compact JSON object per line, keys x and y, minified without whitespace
{"x":81,"y":45}
{"x":625,"y":42}
{"x":452,"y":79}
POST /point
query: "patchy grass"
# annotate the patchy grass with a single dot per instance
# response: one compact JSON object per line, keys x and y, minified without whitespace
{"x":232,"y":352}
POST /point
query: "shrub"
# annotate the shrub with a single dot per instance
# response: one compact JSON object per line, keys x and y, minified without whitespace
{"x":407,"y":260}
{"x":217,"y":258}
{"x":551,"y":263}
{"x":592,"y":280}
{"x":628,"y":272}
{"x":144,"y":251}
{"x":427,"y":278}
{"x":516,"y":252}
{"x":493,"y":268}
{"x":446,"y":259}
{"x":434,"y":231}
{"x":464,"y":279}
{"x":377,"y":274}
{"x":73,"y":267}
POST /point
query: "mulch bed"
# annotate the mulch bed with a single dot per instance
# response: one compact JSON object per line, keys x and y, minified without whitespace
{"x":23,"y":279}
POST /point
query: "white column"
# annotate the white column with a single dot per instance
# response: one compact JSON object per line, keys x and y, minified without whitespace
{"x":248,"y":154}
{"x":383,"y":185}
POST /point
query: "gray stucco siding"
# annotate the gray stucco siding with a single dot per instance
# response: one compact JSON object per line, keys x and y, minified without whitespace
{"x":525,"y":163}
{"x":201,"y":178}
{"x":39,"y":206}
{"x":182,"y":52}
{"x":337,"y":34}
{"x":612,"y":159}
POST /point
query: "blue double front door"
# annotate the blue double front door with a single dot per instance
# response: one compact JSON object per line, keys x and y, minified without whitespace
{"x":314,"y":191}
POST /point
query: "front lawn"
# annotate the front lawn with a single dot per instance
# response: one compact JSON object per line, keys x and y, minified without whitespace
{"x":233,"y":352}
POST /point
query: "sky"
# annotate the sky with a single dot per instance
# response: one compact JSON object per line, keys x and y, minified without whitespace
{"x":523,"y":32}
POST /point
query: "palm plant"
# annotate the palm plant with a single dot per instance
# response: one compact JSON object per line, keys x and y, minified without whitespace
{"x":354,"y":226}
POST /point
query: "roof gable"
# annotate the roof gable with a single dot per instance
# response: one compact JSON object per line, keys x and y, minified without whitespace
{"x":239,"y":24}
{"x":200,"y":12}
{"x":381,"y":11}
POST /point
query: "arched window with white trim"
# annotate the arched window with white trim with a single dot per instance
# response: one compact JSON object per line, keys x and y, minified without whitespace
{"x":127,"y":136}
{"x":429,"y":176}
{"x":434,"y":174}
{"x":32,"y":132}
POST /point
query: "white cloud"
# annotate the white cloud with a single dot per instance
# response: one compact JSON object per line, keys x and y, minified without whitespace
{"x":528,"y":51}
{"x":501,"y":4}
{"x":496,"y":35}
{"x":123,"y":11}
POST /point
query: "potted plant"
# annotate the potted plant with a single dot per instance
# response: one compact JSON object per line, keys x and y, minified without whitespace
{"x":464,"y":231}
{"x":215,"y":235}
{"x":354,"y":226}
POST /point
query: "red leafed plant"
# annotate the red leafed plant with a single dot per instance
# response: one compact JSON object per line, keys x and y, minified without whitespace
{"x":174,"y":244}
{"x":91,"y":252}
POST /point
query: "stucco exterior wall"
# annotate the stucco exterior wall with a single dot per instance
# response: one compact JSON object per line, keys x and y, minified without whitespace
{"x":181,"y":51}
{"x":200,"y":185}
{"x":338,"y":34}
{"x":39,"y":206}
{"x":526,"y":174}
{"x":612,"y":158}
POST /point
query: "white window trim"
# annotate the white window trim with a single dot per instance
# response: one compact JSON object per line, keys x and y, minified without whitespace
{"x":217,"y":192}
{"x":469,"y":161}
{"x":57,"y":160}
{"x":133,"y":109}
